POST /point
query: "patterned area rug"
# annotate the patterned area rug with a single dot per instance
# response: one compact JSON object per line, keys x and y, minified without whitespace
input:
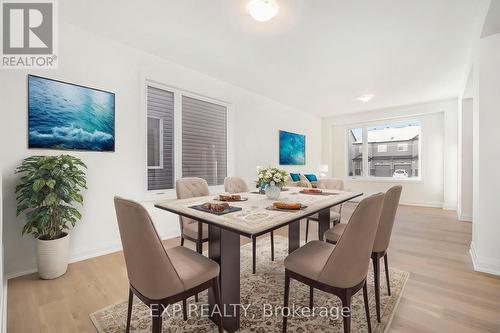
{"x":262,"y":293}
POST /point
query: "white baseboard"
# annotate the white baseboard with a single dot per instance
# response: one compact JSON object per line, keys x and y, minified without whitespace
{"x":4,"y":306}
{"x":108,"y":248}
{"x":482,"y":264}
{"x":465,"y":217}
{"x":433,"y":204}
{"x":448,"y":206}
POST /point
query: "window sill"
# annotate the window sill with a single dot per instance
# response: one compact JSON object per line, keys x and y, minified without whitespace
{"x":386,"y":180}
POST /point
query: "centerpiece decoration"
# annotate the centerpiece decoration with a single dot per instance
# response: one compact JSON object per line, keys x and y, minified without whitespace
{"x":271,"y":181}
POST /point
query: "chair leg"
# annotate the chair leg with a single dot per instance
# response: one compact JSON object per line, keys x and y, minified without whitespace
{"x":311,"y":297}
{"x":285,"y":303}
{"x":129,"y":310}
{"x":254,"y":253}
{"x":307,"y":228}
{"x":184,"y":310}
{"x":346,"y":303}
{"x":157,"y":321}
{"x":199,"y":242}
{"x":367,"y":307}
{"x":386,"y":264}
{"x":182,"y":241}
{"x":272,"y":245}
{"x":376,"y":279}
{"x":216,"y":292}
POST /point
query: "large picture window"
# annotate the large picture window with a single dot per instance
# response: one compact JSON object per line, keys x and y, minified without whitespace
{"x":392,"y":150}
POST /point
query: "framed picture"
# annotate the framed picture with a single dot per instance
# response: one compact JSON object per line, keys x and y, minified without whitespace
{"x":292,"y":148}
{"x":68,"y":116}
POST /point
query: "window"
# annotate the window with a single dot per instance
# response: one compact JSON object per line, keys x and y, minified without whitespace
{"x":155,"y":146}
{"x":402,"y":147}
{"x":355,"y":151}
{"x":393,"y":150}
{"x":160,"y":135}
{"x":204,"y":140}
{"x":382,"y":148}
{"x":197,"y":125}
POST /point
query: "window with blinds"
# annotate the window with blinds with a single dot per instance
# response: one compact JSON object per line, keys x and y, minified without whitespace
{"x":160,"y":132}
{"x":204,"y":140}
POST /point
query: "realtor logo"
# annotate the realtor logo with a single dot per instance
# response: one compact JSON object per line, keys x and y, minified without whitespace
{"x":28,"y":34}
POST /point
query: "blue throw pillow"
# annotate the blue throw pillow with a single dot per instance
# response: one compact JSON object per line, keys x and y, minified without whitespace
{"x":311,"y":178}
{"x":295,"y":176}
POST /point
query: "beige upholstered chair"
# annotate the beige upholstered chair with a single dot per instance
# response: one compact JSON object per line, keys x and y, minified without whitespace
{"x":160,"y":277}
{"x":192,"y":230}
{"x":391,"y":202}
{"x":335,"y":212}
{"x":237,"y":185}
{"x":340,"y":270}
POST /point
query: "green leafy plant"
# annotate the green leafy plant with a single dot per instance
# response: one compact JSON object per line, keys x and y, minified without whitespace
{"x":48,"y":189}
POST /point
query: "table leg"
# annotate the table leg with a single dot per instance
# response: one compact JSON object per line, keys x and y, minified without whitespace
{"x":293,"y":236}
{"x":224,"y":248}
{"x":323,"y":223}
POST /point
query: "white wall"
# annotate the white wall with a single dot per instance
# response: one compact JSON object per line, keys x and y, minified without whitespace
{"x":466,"y":147}
{"x":439,"y":145}
{"x":93,"y":61}
{"x":485,"y":247}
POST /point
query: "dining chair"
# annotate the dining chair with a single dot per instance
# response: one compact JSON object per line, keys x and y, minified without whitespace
{"x":382,"y":239}
{"x":338,"y":269}
{"x":158,"y":276}
{"x":335,"y":212}
{"x":235,"y":185}
{"x":192,"y":230}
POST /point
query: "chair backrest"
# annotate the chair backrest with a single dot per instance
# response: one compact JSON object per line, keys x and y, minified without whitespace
{"x":190,"y":187}
{"x":387,"y":217}
{"x":330,"y":184}
{"x":235,"y":185}
{"x":348,"y":263}
{"x":149,"y":268}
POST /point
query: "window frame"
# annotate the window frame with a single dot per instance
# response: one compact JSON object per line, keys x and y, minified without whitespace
{"x":156,"y":167}
{"x":365,"y":163}
{"x":178,"y":93}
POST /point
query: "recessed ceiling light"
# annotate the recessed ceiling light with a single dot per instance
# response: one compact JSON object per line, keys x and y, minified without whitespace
{"x":263,"y":10}
{"x":365,"y":98}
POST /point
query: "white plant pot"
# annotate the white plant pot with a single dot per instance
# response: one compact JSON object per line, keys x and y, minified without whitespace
{"x":53,"y":257}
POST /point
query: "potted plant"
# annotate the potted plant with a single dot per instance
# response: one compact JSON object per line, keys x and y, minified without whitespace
{"x":48,"y":190}
{"x":271,"y":181}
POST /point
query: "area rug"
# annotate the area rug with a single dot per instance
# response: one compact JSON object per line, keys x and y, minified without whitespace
{"x":262,"y":299}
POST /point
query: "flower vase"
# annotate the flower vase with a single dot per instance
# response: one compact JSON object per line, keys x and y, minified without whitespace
{"x":273,"y":192}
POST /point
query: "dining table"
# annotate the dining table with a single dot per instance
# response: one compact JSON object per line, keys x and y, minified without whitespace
{"x":255,"y":216}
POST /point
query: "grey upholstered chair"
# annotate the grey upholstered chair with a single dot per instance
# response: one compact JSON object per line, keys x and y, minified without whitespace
{"x":382,"y":239}
{"x":192,"y":230}
{"x":235,"y":185}
{"x":160,"y":277}
{"x":339,"y":269}
{"x":335,"y":212}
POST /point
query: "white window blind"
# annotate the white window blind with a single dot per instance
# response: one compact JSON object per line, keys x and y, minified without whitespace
{"x":160,"y":109}
{"x":204,"y":140}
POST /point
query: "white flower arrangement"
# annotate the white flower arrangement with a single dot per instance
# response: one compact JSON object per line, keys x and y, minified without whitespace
{"x":271,"y":176}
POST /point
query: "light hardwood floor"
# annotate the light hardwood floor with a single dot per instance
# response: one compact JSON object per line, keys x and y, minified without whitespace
{"x":443,"y":293}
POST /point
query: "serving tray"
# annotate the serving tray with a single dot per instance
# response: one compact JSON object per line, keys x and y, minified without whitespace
{"x":230,"y":209}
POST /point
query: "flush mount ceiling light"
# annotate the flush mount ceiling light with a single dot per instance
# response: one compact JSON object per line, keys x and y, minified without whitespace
{"x":263,"y":10}
{"x":365,"y":98}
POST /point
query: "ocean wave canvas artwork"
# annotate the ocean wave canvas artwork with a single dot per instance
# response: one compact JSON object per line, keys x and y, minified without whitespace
{"x":292,"y":148}
{"x":69,"y":117}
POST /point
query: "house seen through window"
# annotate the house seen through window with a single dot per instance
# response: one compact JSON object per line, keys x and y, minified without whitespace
{"x":393,"y":150}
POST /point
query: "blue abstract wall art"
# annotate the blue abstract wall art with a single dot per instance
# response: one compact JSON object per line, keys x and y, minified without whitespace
{"x":67,"y":116}
{"x":292,"y":148}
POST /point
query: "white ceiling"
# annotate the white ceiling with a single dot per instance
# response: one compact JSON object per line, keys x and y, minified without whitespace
{"x":316,"y":55}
